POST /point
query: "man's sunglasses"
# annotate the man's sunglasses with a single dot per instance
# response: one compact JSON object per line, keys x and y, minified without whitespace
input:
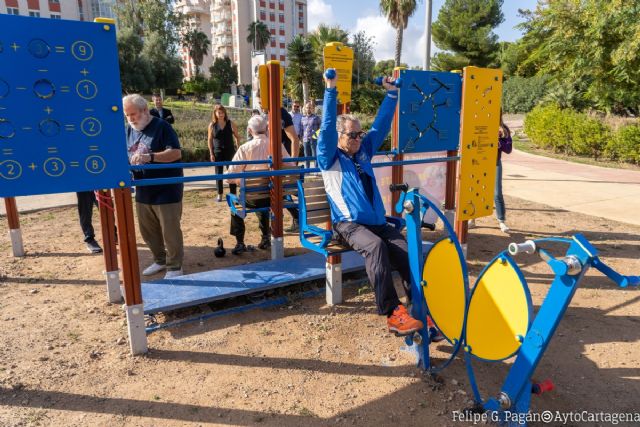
{"x":355,"y":135}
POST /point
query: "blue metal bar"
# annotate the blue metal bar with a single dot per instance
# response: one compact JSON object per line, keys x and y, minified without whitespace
{"x":267,"y":173}
{"x":150,"y":166}
{"x":415,"y":162}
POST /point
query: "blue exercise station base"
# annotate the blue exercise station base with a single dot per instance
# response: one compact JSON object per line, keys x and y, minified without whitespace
{"x":199,"y":288}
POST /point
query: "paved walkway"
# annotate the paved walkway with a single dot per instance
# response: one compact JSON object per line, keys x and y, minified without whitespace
{"x":592,"y":190}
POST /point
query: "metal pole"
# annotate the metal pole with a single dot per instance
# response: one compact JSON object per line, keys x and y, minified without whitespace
{"x":427,"y":33}
{"x":15,"y":234}
{"x":275,"y":139}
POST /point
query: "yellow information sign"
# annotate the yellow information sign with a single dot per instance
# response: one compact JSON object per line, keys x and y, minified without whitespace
{"x":480,"y":119}
{"x":340,"y":57}
{"x":263,"y":78}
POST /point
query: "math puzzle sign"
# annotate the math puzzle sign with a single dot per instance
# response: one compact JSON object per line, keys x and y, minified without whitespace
{"x":429,"y":106}
{"x":61,"y":124}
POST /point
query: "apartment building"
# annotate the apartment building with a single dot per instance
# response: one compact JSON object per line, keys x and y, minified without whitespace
{"x":75,"y":10}
{"x":228,"y":23}
{"x":199,"y":13}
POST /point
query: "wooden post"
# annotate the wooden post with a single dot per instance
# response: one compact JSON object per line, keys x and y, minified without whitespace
{"x":397,"y":171}
{"x":275,"y":140}
{"x":130,"y":271}
{"x":107,"y":222}
{"x":15,"y":234}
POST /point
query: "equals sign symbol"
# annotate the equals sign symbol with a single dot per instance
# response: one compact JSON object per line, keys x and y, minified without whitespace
{"x":93,"y":148}
{"x":52,"y":150}
{"x":7,"y":151}
{"x":70,"y":127}
{"x":59,"y":49}
{"x":64,"y":88}
{"x":74,"y":164}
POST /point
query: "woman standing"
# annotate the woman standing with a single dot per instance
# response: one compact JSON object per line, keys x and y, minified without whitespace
{"x":505,"y":145}
{"x":223,"y":142}
{"x":310,"y":124}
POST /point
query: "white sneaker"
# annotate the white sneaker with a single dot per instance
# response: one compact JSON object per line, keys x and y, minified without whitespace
{"x":173,"y":273}
{"x":471,"y":223}
{"x":153,"y":269}
{"x":219,"y":197}
{"x":503,"y":227}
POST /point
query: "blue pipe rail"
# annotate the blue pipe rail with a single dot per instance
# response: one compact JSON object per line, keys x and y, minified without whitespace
{"x":269,"y":173}
{"x":152,"y":166}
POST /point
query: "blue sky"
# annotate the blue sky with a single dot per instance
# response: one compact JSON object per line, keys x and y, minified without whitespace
{"x":356,"y":15}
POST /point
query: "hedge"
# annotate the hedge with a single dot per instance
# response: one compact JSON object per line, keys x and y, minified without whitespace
{"x":571,"y":132}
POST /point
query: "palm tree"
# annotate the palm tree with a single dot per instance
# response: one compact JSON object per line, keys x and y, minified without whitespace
{"x":197,"y":43}
{"x":325,"y":34}
{"x":302,"y":62}
{"x":259,"y":35}
{"x":398,"y":13}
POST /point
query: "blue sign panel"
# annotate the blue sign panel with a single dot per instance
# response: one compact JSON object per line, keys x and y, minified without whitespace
{"x":61,"y":124}
{"x":429,"y":117}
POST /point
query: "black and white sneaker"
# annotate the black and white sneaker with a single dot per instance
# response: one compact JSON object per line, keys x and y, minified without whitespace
{"x":93,"y":246}
{"x":240,"y":248}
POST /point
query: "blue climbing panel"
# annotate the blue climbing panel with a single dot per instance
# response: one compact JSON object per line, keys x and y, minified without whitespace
{"x":61,"y":124}
{"x":429,"y":108}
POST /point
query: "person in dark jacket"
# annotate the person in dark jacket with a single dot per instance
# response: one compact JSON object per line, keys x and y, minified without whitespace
{"x":223,"y":141}
{"x":505,"y":145}
{"x":161,"y":112}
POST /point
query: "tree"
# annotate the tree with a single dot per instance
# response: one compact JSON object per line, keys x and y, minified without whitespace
{"x":135,"y":72}
{"x":363,"y":60}
{"x":325,"y":34}
{"x":197,"y":43}
{"x":166,"y":69}
{"x":259,"y":35}
{"x":592,"y":47}
{"x":385,"y":67}
{"x":223,"y":73}
{"x":398,"y":13}
{"x":302,"y":62}
{"x":464,"y":30}
{"x":198,"y":85}
{"x":157,"y":28}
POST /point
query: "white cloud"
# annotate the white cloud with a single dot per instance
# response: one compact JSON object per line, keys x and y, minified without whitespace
{"x":319,"y":12}
{"x":384,"y":35}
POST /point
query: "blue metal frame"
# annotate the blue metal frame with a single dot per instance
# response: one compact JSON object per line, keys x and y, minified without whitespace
{"x":515,"y":394}
{"x":418,"y":205}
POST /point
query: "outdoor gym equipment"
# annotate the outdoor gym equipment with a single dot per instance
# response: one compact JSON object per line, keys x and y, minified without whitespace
{"x":495,"y":321}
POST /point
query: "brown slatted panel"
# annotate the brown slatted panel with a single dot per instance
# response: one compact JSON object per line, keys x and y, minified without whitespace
{"x":317,"y":206}
{"x":315,"y":198}
{"x":319,"y":218}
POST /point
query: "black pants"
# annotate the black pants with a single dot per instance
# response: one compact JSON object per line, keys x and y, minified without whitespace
{"x":232,"y":187}
{"x":237,"y":223}
{"x":384,"y":249}
{"x":86,"y":200}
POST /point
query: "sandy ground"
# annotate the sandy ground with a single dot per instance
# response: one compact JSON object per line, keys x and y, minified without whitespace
{"x":64,"y":359}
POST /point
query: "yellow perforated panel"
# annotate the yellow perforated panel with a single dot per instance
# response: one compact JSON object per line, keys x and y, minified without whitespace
{"x":263,"y":78}
{"x":480,"y":119}
{"x":340,"y":57}
{"x":498,"y":313}
{"x":444,"y":290}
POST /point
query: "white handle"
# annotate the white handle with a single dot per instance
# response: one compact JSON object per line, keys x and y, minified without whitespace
{"x":527,"y":247}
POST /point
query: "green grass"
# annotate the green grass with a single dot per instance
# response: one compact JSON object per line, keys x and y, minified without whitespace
{"x":523,"y":143}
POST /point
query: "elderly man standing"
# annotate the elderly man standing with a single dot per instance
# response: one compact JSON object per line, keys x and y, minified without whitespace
{"x":255,"y":149}
{"x":159,"y":207}
{"x":344,"y":155}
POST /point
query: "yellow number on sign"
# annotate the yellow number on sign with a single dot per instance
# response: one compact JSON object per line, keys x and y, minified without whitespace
{"x":92,"y":126}
{"x":95,"y":165}
{"x":11,"y":169}
{"x":54,"y":166}
{"x":83,"y":49}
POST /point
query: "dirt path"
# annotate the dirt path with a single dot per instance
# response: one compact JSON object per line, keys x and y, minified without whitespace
{"x":64,"y":360}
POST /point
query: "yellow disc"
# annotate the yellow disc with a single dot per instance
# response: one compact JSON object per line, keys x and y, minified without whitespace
{"x":499,"y":310}
{"x":445,"y":288}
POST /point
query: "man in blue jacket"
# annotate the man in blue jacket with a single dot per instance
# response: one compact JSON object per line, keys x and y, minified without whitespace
{"x":344,"y":155}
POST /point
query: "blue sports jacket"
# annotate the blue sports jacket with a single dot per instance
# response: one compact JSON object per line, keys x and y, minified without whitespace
{"x":345,"y":191}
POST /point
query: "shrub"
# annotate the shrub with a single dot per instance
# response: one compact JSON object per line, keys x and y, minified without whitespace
{"x":625,"y":144}
{"x":567,"y":131}
{"x":366,"y":99}
{"x":522,"y":94}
